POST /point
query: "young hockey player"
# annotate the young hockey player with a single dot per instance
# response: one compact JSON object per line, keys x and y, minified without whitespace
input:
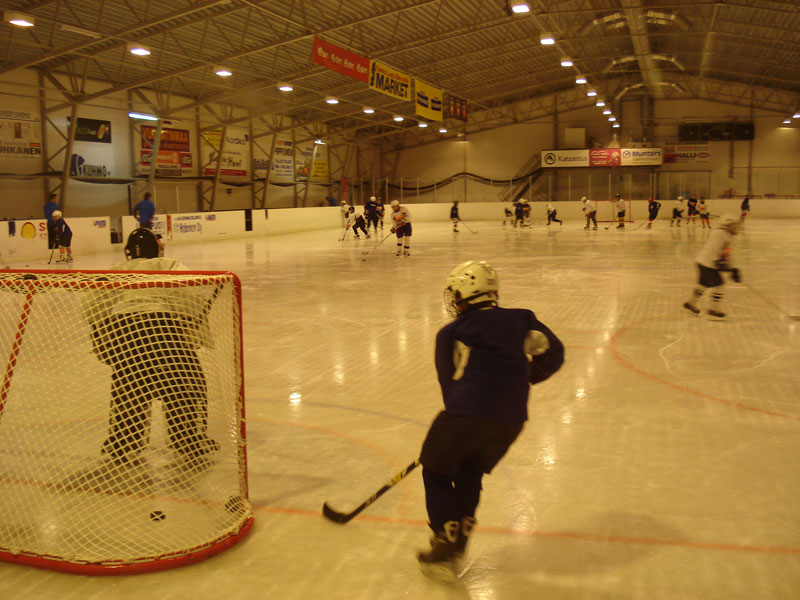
{"x":486,"y":360}
{"x":677,"y":211}
{"x":519,"y":212}
{"x":590,"y":210}
{"x":401,"y":227}
{"x":691,"y":210}
{"x":745,"y":207}
{"x":454,"y":216}
{"x":526,"y":213}
{"x":620,"y":203}
{"x":552,"y":215}
{"x":149,"y":337}
{"x":356,"y":222}
{"x":49,"y":208}
{"x":714,"y":258}
{"x":63,"y":237}
{"x":508,"y":215}
{"x":381,"y":212}
{"x":371,"y":213}
{"x":652,"y":212}
{"x":704,"y":212}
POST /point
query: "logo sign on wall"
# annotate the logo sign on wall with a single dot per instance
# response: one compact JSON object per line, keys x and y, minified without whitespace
{"x":340,"y":60}
{"x":283,"y":161}
{"x":687,"y":154}
{"x":92,"y":130}
{"x":389,"y":81}
{"x":604,"y":157}
{"x":235,"y":154}
{"x":428,"y":101}
{"x":633,"y":157}
{"x":78,"y":167}
{"x":565,"y":158}
{"x":174,"y":152}
{"x":19,"y":135}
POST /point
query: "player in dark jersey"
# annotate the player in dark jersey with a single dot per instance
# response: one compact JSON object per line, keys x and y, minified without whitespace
{"x":454,"y":216}
{"x":691,"y":209}
{"x":653,"y":207}
{"x":371,"y":213}
{"x":745,"y":207}
{"x":486,"y":360}
{"x":519,"y":213}
{"x":63,"y":237}
{"x":381,"y":212}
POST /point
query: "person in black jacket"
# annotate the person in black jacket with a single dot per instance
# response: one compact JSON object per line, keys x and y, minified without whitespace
{"x":486,"y":360}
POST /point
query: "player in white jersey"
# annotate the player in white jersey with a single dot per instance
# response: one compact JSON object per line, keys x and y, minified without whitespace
{"x":401,"y":227}
{"x":704,"y":212}
{"x":590,"y":209}
{"x":620,"y":211}
{"x":677,"y":211}
{"x":713,"y":258}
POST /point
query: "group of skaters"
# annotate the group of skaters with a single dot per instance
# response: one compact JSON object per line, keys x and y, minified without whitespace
{"x":519,"y":214}
{"x":372,"y":217}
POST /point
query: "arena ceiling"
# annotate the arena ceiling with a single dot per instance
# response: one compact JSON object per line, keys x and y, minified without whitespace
{"x":743,"y":52}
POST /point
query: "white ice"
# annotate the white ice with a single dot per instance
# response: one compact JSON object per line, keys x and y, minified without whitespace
{"x":661,"y":462}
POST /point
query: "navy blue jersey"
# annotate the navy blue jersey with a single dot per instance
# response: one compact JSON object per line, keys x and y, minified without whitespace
{"x":482,"y":366}
{"x":49,"y":208}
{"x":371,"y":208}
{"x":454,"y":212}
{"x":145,"y":210}
{"x":653,"y":207}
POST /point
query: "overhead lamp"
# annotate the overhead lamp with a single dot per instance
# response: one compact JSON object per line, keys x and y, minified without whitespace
{"x":592,"y":92}
{"x":520,"y":8}
{"x":398,"y":118}
{"x":332,"y":100}
{"x":222,"y":71}
{"x":607,"y":111}
{"x":368,"y":110}
{"x":600,"y":103}
{"x":286,"y":87}
{"x":144,"y":117}
{"x":616,"y":125}
{"x":319,"y":141}
{"x":796,"y":115}
{"x":138,"y":49}
{"x":580,"y":80}
{"x":442,"y":130}
{"x":422,"y":124}
{"x":787,"y":122}
{"x":17,"y":18}
{"x":566,"y":61}
{"x":612,"y":118}
{"x":547,"y":39}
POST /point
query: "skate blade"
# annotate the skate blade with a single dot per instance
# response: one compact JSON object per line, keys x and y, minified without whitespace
{"x":441,"y":572}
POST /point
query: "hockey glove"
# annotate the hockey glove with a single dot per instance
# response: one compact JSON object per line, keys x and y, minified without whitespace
{"x":393,"y":229}
{"x":737,"y":277}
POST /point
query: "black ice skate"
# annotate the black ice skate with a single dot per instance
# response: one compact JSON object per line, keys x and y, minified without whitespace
{"x":716,"y":313}
{"x":691,"y":307}
{"x":440,"y":561}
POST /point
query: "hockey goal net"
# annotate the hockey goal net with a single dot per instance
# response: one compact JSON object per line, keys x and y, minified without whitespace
{"x":122,"y":438}
{"x":607,"y":211}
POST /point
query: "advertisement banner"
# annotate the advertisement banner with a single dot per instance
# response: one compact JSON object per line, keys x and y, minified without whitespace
{"x":565,"y":158}
{"x":171,"y":139}
{"x":92,"y":130}
{"x":604,"y":157}
{"x":169,"y":163}
{"x":634,"y":157}
{"x":235,"y":154}
{"x":306,"y":152}
{"x":20,"y":135}
{"x":283,"y":161}
{"x":428,"y":101}
{"x":389,"y":81}
{"x":687,"y":154}
{"x":340,"y":60}
{"x":456,"y":108}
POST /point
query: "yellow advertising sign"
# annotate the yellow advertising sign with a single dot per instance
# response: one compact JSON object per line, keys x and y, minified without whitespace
{"x":428,"y":101}
{"x":389,"y":81}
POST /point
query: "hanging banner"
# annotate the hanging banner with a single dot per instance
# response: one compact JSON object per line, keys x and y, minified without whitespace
{"x":428,"y":100}
{"x":283,"y":161}
{"x":389,"y":81}
{"x":235,"y":154}
{"x":20,"y":135}
{"x":456,"y":108}
{"x":340,"y":60}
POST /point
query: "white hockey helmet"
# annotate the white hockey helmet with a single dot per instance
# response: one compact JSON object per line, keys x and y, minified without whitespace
{"x":395,"y":203}
{"x":584,"y":199}
{"x":373,"y":198}
{"x":57,"y":214}
{"x":470,"y":283}
{"x":730,"y":222}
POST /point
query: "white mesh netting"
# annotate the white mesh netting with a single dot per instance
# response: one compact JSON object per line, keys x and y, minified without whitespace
{"x":121,"y":418}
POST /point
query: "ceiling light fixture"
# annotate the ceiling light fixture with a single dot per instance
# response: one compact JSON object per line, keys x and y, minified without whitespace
{"x":138,"y":49}
{"x":368,"y":110}
{"x":17,"y":18}
{"x":600,"y":103}
{"x":144,"y":117}
{"x":612,"y":118}
{"x":520,"y":8}
{"x":787,"y":122}
{"x":580,"y":80}
{"x":592,"y":92}
{"x":332,"y":100}
{"x":607,"y":111}
{"x":286,"y":87}
{"x":615,"y":125}
{"x":566,"y":61}
{"x":547,"y":39}
{"x":319,"y":141}
{"x":796,"y":115}
{"x":442,"y":130}
{"x":398,"y":118}
{"x":422,"y":124}
{"x":222,"y":71}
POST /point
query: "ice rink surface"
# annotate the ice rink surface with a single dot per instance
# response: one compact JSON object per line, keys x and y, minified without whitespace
{"x":660,"y":463}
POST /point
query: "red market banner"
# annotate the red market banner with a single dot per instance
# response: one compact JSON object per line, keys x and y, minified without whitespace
{"x":340,"y":60}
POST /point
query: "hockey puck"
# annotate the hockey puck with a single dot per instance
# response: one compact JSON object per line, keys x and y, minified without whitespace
{"x":157,"y":515}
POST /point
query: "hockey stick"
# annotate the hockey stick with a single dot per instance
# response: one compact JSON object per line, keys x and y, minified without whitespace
{"x":49,"y":260}
{"x":770,"y":302}
{"x":640,"y":224}
{"x":344,"y":234}
{"x":339,"y":517}
{"x":366,"y":253}
{"x":468,"y":227}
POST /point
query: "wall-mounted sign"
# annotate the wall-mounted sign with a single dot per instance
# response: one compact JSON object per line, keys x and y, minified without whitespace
{"x":92,"y":130}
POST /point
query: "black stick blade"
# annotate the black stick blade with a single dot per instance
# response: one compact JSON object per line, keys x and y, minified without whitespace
{"x":334,"y":515}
